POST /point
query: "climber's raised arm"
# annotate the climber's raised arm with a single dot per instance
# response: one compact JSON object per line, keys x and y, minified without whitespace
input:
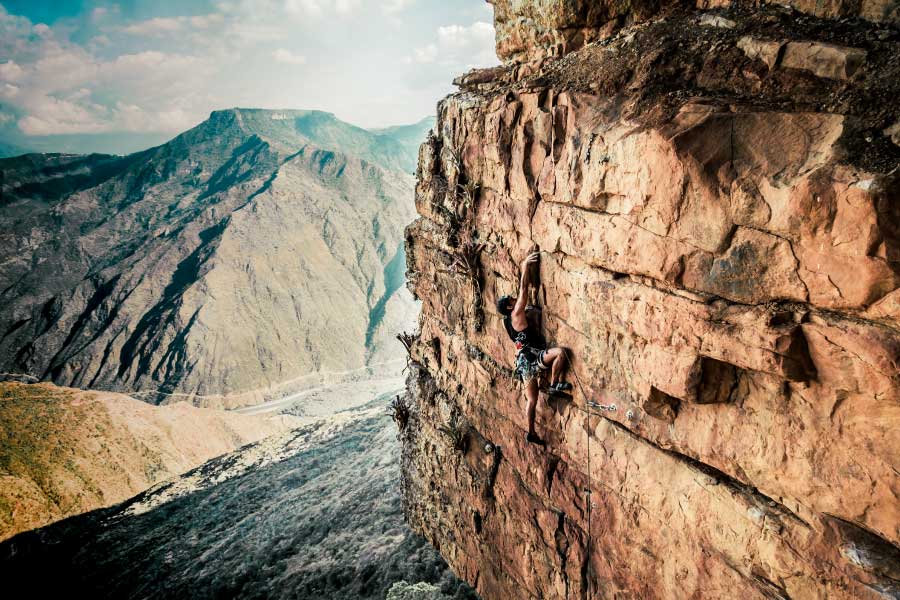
{"x":519,"y":318}
{"x":533,"y":358}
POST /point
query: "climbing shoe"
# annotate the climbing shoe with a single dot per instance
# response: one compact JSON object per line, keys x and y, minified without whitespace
{"x":534,"y":439}
{"x":560,"y":389}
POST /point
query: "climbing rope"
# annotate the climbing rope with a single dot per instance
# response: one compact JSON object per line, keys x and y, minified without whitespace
{"x":589,"y":404}
{"x":588,"y":498}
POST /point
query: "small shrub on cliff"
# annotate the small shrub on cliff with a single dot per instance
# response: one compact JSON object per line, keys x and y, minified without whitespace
{"x":457,"y":433}
{"x":407,"y":339}
{"x":466,"y":265}
{"x":469,"y":191}
{"x":400,"y":413}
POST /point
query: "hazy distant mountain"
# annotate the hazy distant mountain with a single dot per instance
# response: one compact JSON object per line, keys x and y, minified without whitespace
{"x":409,"y":136}
{"x":395,"y":147}
{"x":119,"y":143}
{"x":8,"y":149}
{"x":123,"y":142}
{"x":250,"y":251}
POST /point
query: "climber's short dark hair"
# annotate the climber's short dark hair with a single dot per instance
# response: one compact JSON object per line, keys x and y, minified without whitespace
{"x":503,"y":306}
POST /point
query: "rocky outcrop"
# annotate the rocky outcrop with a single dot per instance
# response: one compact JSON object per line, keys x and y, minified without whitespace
{"x":64,"y":452}
{"x":533,"y":30}
{"x":715,"y":194}
{"x":234,"y":263}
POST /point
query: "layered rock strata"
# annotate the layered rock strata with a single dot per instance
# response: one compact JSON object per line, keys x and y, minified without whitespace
{"x":716,"y":196}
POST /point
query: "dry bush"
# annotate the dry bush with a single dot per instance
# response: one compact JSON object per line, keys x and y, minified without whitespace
{"x":399,"y":411}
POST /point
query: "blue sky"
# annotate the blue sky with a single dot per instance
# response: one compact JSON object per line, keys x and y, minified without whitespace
{"x":90,"y":72}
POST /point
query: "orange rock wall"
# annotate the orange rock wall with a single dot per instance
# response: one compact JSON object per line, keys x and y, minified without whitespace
{"x":721,"y":236}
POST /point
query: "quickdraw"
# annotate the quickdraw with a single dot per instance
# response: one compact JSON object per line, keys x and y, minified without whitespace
{"x":598,"y":406}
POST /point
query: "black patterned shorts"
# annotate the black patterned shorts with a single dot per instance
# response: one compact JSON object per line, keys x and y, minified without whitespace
{"x":530,"y":362}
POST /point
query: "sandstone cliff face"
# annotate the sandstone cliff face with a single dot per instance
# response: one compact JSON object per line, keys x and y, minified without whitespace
{"x":247,"y":254}
{"x":716,"y":193}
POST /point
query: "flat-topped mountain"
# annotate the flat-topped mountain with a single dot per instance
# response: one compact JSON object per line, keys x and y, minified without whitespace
{"x":255,"y":250}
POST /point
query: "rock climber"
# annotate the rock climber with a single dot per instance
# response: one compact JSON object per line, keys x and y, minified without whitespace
{"x":532,"y":354}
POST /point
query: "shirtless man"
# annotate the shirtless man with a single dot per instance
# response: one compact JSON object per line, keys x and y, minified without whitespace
{"x":532,"y":355}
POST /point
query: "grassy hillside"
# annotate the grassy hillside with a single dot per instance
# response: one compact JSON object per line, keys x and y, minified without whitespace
{"x":64,"y":452}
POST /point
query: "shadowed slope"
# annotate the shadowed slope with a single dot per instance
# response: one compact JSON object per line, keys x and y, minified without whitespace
{"x":313,"y":514}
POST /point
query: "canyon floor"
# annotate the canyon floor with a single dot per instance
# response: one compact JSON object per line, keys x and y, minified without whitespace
{"x":310,"y":513}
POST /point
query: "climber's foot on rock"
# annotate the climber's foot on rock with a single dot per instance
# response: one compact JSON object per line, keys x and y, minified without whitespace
{"x":534,"y":439}
{"x":561,"y":388}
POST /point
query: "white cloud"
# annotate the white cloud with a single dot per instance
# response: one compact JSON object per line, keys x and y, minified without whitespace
{"x":59,"y":70}
{"x":464,"y":47}
{"x":286,"y":56}
{"x":477,"y":36}
{"x":346,"y":7}
{"x":304,"y":8}
{"x":50,"y":115}
{"x":55,"y":90}
{"x":206,"y":21}
{"x":169,"y":25}
{"x":318,"y":8}
{"x":156,"y":26}
{"x":9,"y":91}
{"x":425,"y":54}
{"x":99,"y":41}
{"x":395,"y":6}
{"x":131,"y":117}
{"x":253,"y":33}
{"x":10,"y":71}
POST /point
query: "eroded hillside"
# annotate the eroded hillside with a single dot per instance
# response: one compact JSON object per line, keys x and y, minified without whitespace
{"x":313,"y":513}
{"x":64,"y":452}
{"x":715,"y":191}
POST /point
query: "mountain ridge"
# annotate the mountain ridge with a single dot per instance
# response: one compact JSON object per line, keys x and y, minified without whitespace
{"x":122,"y":272}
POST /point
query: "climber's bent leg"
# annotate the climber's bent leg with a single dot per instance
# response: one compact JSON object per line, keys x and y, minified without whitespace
{"x":555,"y":358}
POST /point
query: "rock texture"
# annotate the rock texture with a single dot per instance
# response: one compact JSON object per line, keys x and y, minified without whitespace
{"x":312,"y":514}
{"x":64,"y":452}
{"x":717,"y":199}
{"x":225,"y":266}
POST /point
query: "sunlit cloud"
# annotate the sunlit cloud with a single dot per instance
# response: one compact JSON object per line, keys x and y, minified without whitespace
{"x":288,"y":57}
{"x":318,"y":8}
{"x":373,"y":63}
{"x":457,"y":45}
{"x":168,"y":25}
{"x":395,"y":6}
